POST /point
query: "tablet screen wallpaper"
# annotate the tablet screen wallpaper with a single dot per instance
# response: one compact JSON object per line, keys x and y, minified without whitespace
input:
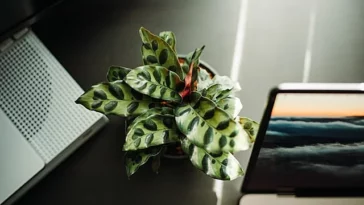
{"x":314,"y":141}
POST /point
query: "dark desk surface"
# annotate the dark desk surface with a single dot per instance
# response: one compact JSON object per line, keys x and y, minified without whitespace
{"x":87,"y":39}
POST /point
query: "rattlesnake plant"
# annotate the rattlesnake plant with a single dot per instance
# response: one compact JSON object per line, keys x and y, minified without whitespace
{"x":175,"y":101}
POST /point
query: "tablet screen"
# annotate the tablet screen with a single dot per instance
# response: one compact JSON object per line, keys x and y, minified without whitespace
{"x":313,"y":140}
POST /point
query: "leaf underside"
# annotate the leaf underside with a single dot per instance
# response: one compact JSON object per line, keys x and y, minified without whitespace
{"x":156,"y":81}
{"x":211,"y":128}
{"x":115,"y":98}
{"x":222,"y":166}
{"x":156,"y":51}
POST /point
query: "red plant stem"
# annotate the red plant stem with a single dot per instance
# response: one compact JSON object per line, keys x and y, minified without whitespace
{"x":188,"y":81}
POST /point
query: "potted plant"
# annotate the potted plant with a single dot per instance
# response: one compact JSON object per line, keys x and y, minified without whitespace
{"x":175,"y":100}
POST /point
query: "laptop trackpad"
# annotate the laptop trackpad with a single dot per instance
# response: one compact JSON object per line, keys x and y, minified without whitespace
{"x":18,"y":161}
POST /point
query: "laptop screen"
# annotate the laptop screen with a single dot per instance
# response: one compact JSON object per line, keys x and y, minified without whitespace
{"x":313,"y":140}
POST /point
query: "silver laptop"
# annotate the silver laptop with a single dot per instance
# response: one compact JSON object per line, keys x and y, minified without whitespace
{"x":40,"y":125}
{"x":310,"y":147}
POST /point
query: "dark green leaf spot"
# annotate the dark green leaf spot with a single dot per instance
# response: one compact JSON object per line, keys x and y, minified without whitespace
{"x":208,"y":136}
{"x":157,"y":76}
{"x":194,"y":122}
{"x":223,"y":173}
{"x":232,"y":143}
{"x":168,"y":82}
{"x":95,"y":104}
{"x":172,"y":68}
{"x":225,"y":162}
{"x":248,"y":125}
{"x":149,"y":139}
{"x":162,"y":91}
{"x":100,"y":94}
{"x":150,"y":125}
{"x":209,"y":114}
{"x":110,"y":106}
{"x":185,"y":111}
{"x":213,"y":161}
{"x":152,"y":88}
{"x":223,"y":125}
{"x":144,"y":75}
{"x":202,"y":123}
{"x":163,"y":56}
{"x":226,"y":107}
{"x":116,"y":91}
{"x":138,"y":132}
{"x":143,"y":86}
{"x":132,"y":107}
{"x":137,"y":142}
{"x":173,"y":94}
{"x":233,"y":134}
{"x":155,"y":45}
{"x":222,"y":141}
{"x":205,"y":163}
{"x":152,"y":59}
{"x":147,"y":46}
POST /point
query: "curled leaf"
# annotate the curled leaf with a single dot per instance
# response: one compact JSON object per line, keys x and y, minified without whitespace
{"x":222,"y":166}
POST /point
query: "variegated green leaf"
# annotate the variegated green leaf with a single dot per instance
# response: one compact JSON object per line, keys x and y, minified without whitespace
{"x":231,"y":105}
{"x":135,"y":159}
{"x":156,"y":81}
{"x":157,"y":52}
{"x":204,"y":79}
{"x":222,"y":166}
{"x":117,"y":73}
{"x":115,"y":98}
{"x":153,"y":131}
{"x":211,"y":128}
{"x":165,"y":111}
{"x":250,"y":126}
{"x":170,"y":38}
{"x":221,"y":87}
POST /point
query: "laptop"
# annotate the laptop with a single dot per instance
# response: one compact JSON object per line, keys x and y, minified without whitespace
{"x":40,"y":125}
{"x":309,"y":148}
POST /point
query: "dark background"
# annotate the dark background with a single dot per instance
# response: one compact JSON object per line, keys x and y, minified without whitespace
{"x":89,"y":36}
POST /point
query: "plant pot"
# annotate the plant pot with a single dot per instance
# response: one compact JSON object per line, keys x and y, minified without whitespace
{"x":174,"y":151}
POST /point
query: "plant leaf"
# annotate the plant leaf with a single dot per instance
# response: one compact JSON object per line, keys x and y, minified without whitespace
{"x":155,"y":130}
{"x":231,"y":105}
{"x":204,"y":79}
{"x":135,"y":159}
{"x":250,"y":126}
{"x":209,"y":127}
{"x":156,"y":51}
{"x":222,"y":166}
{"x":166,"y":111}
{"x":117,"y":73}
{"x":156,"y":81}
{"x":221,"y":87}
{"x":115,"y":98}
{"x":169,"y":38}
